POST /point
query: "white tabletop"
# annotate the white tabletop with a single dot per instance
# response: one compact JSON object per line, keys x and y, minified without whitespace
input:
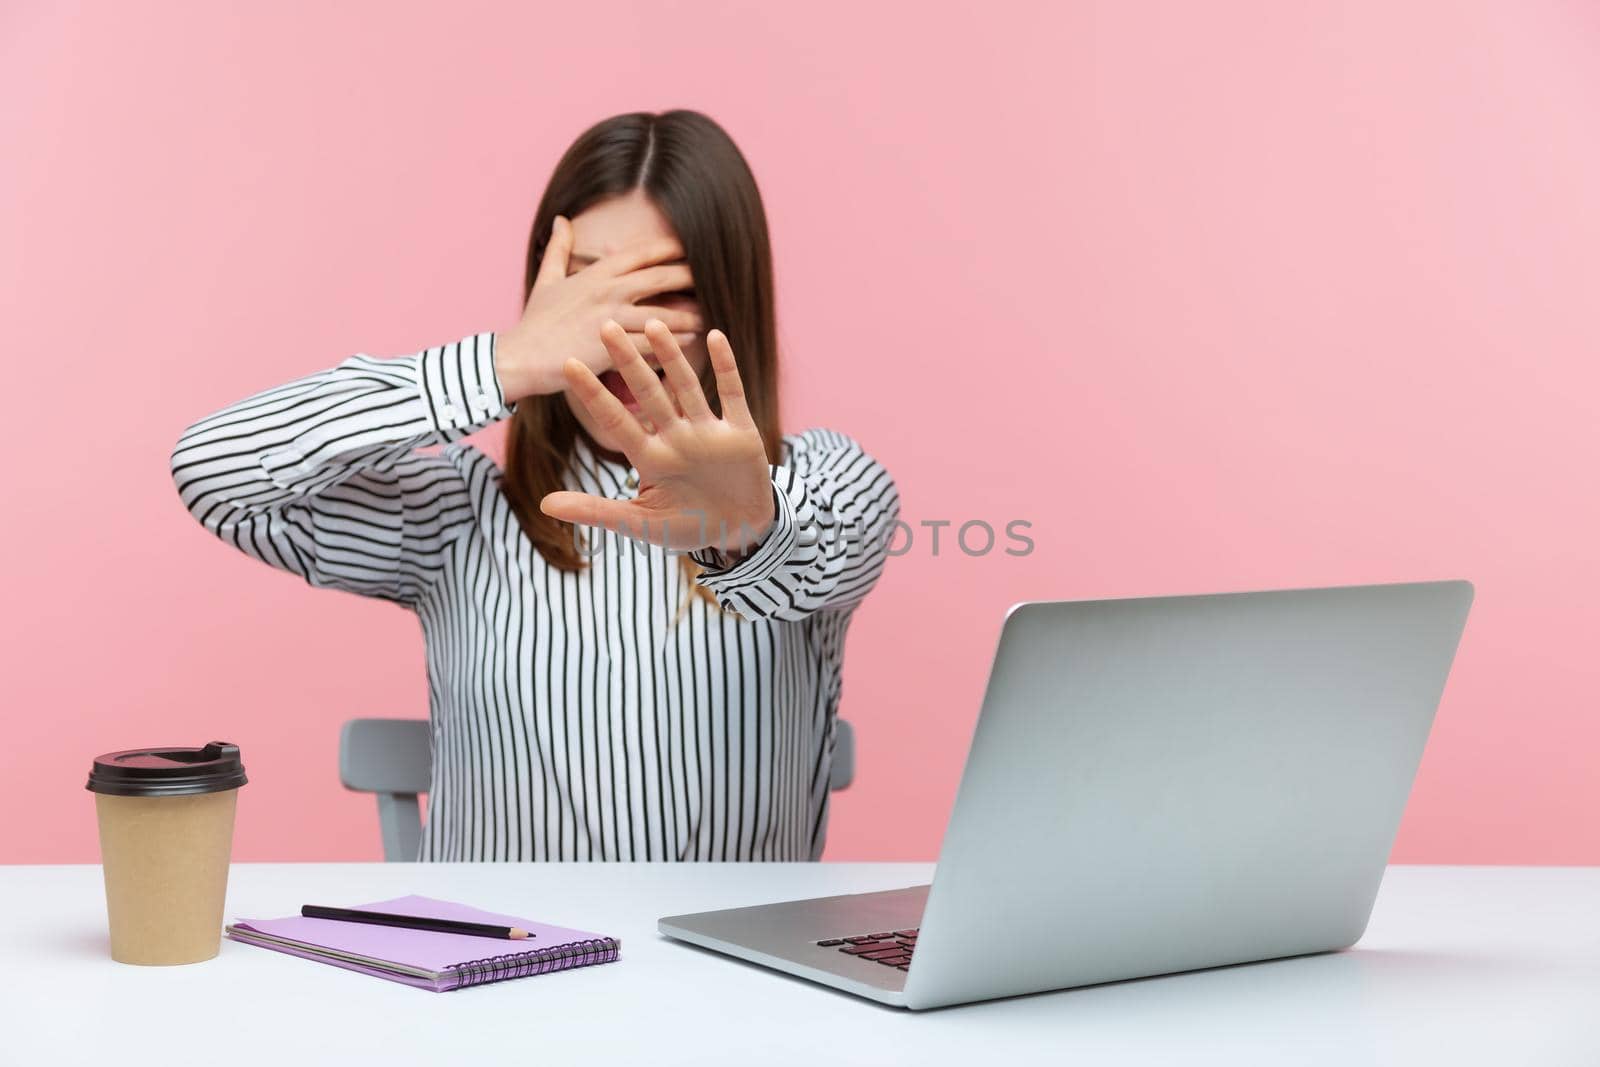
{"x":1461,"y":965}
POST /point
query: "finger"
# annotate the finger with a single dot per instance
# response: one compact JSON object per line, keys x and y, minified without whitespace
{"x":651,"y":281}
{"x":679,"y":320}
{"x":624,"y":517}
{"x":658,"y":250}
{"x":641,"y":379}
{"x":729,"y":388}
{"x":553,"y":267}
{"x":680,"y":376}
{"x":642,"y":343}
{"x":609,"y":413}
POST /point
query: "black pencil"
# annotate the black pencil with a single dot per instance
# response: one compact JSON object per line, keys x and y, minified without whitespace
{"x":415,"y":922}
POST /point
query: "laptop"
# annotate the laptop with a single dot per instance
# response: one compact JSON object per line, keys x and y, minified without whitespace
{"x":1154,"y":785}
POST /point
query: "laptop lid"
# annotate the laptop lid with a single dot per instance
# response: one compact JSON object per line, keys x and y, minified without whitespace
{"x":1166,"y":783}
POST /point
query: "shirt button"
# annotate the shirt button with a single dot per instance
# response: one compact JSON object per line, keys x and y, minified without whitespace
{"x":482,"y":402}
{"x":450,"y":412}
{"x":633,"y":481}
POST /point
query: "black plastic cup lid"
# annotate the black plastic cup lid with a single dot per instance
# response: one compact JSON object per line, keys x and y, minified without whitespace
{"x":168,"y":772}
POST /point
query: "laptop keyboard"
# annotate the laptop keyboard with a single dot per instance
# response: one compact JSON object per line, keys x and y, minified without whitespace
{"x":892,"y":948}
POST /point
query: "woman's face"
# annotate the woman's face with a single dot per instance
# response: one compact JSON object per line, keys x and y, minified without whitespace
{"x":606,"y":227}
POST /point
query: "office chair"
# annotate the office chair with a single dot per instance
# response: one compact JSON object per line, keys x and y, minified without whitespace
{"x":391,"y":757}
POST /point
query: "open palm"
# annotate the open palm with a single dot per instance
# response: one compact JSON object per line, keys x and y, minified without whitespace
{"x":703,"y":480}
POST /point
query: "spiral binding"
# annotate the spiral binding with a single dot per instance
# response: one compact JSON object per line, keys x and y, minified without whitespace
{"x":537,"y":961}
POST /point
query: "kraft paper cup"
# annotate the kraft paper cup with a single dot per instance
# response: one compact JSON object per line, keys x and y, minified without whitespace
{"x":166,"y":836}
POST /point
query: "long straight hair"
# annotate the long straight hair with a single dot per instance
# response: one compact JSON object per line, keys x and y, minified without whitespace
{"x":694,"y":173}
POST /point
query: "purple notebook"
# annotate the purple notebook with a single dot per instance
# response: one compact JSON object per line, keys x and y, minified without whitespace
{"x":426,"y":958}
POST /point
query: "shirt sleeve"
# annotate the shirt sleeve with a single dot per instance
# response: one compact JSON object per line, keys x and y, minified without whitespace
{"x":836,"y":509}
{"x":320,"y":477}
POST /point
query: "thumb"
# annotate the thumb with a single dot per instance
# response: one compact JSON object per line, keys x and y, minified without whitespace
{"x":586,"y":509}
{"x":553,"y":267}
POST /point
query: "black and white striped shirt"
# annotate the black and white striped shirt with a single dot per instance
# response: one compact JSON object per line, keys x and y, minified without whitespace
{"x":606,"y":714}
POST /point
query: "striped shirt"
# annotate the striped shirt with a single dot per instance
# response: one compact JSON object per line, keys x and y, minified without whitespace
{"x":607,"y":714}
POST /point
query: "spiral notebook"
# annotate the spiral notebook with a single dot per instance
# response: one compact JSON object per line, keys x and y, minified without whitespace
{"x":426,"y":958}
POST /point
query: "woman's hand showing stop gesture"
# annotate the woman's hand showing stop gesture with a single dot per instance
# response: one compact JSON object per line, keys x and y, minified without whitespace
{"x":703,"y":480}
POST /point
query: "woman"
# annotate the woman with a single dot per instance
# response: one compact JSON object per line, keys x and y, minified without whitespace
{"x":635,"y":631}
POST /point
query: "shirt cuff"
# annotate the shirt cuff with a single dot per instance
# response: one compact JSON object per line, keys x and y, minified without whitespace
{"x":766,"y":558}
{"x":460,"y":386}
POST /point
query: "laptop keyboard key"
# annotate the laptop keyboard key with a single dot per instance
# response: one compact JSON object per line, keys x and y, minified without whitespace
{"x":879,"y":947}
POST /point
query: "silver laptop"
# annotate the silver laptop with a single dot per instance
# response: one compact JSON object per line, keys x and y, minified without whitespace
{"x":1155,"y":785}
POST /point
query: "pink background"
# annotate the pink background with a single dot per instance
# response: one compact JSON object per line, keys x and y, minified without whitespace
{"x":1217,"y":296}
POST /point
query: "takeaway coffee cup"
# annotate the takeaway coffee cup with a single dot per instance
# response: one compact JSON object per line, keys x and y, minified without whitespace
{"x":166,"y":831}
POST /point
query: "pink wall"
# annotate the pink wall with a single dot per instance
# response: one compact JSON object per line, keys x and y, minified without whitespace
{"x":1217,"y":296}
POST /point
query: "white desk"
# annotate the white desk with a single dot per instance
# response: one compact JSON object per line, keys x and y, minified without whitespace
{"x":1461,"y":965}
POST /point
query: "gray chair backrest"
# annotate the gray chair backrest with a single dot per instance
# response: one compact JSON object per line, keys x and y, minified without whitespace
{"x":392,"y":758}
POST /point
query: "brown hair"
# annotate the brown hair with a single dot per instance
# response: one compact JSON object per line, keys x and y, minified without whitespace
{"x":691,"y":169}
